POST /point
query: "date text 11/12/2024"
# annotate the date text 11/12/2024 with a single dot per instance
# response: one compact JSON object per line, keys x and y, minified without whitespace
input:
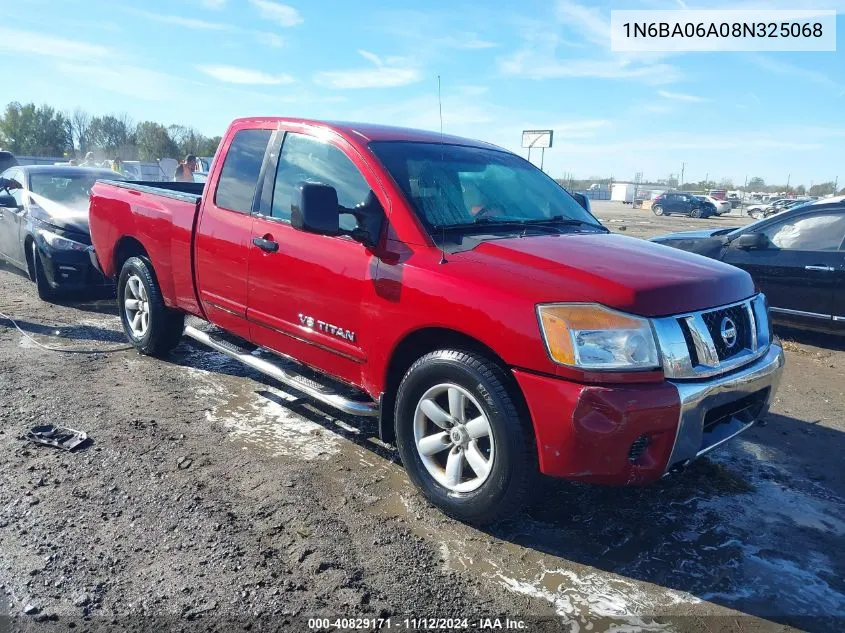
{"x":416,"y":624}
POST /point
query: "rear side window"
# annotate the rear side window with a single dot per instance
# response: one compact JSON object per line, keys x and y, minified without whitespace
{"x":239,"y":176}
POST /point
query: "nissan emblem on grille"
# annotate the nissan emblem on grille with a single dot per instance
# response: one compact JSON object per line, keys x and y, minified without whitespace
{"x":728,"y":331}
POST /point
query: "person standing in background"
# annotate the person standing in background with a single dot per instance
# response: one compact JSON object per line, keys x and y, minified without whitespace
{"x":185,"y":170}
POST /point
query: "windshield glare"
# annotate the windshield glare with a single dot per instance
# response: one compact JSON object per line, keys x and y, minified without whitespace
{"x":71,"y":190}
{"x":455,"y":185}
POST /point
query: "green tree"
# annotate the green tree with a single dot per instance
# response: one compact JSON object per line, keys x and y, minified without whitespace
{"x":822,"y":189}
{"x":756,"y":184}
{"x":154,"y":142}
{"x":114,"y":135}
{"x":209,"y":146}
{"x":37,"y":131}
{"x":800,"y":190}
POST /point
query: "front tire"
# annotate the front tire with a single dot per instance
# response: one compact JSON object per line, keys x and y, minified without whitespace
{"x":657,"y":209}
{"x":695,"y":213}
{"x":461,"y":437}
{"x":151,"y":327}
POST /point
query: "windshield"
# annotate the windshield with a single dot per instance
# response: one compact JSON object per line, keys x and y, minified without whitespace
{"x":459,"y":186}
{"x":71,"y":190}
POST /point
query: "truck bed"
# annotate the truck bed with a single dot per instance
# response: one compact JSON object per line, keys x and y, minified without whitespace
{"x":187,"y":191}
{"x":156,"y":218}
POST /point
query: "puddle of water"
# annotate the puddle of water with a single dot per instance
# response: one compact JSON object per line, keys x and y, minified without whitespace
{"x":255,"y":414}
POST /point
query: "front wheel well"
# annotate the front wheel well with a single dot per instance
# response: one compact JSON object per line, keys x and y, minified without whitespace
{"x":419,"y":343}
{"x":27,"y":252}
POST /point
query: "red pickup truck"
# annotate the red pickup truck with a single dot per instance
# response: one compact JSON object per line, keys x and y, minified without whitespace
{"x":453,"y":290}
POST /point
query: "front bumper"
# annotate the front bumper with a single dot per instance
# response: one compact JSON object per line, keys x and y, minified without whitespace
{"x":635,"y":434}
{"x":71,"y":270}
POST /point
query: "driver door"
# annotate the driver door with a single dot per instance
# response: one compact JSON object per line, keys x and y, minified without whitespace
{"x":11,"y":221}
{"x":798,"y":271}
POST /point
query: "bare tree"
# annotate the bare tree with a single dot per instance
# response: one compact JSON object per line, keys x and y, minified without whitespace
{"x":80,"y":122}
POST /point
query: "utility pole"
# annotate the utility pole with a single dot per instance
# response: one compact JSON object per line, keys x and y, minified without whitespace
{"x":836,"y":185}
{"x":788,"y":176}
{"x":707,"y":180}
{"x":681,"y":184}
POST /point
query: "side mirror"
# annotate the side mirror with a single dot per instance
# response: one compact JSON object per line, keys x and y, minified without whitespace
{"x":9,"y":202}
{"x":752,"y":241}
{"x":583,"y":200}
{"x":315,"y":209}
{"x":370,"y":216}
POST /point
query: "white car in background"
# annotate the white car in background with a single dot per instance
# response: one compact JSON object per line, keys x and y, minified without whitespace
{"x":722,"y":206}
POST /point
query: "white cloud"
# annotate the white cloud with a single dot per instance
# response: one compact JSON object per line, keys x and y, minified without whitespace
{"x":533,"y":66}
{"x":380,"y":77}
{"x":270,"y":39}
{"x":188,"y":23}
{"x":282,"y":14}
{"x":787,"y":69}
{"x":680,"y":96}
{"x":371,"y":56}
{"x":586,"y":20}
{"x":132,"y":81}
{"x":30,"y":42}
{"x":388,"y":73}
{"x":471,"y":41}
{"x":213,"y":4}
{"x":244,"y":76}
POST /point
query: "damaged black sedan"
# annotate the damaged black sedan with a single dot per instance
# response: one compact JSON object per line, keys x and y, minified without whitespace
{"x":44,"y":226}
{"x":797,"y":258}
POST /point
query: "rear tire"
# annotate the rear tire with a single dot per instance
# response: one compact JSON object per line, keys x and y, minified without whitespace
{"x":657,"y":210}
{"x":151,"y":327}
{"x":469,"y":416}
{"x":45,"y":291}
{"x":695,"y":213}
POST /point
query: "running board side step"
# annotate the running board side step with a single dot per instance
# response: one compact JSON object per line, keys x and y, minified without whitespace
{"x":308,"y":386}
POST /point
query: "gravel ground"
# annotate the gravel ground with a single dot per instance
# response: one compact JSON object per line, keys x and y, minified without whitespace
{"x":211,"y":499}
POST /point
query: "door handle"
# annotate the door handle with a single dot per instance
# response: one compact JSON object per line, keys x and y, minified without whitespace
{"x":266,"y":245}
{"x":821,"y":269}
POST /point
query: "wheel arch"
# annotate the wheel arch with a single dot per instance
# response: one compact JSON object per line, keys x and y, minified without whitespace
{"x":29,"y":240}
{"x":420,"y":342}
{"x":126,"y":247}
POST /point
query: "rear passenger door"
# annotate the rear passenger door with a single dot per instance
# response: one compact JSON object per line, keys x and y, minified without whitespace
{"x":224,"y":233}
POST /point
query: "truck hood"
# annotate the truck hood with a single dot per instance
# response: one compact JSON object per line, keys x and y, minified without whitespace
{"x":621,"y":272}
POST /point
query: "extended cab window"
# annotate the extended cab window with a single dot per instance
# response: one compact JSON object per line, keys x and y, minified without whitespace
{"x":239,"y":176}
{"x":306,"y":159}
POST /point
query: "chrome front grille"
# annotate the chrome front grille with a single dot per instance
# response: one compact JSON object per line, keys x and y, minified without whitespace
{"x":713,"y":341}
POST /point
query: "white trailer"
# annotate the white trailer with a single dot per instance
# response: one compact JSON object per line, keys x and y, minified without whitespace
{"x":622,"y":192}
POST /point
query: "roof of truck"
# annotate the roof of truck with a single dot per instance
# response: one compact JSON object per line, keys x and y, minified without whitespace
{"x":374,"y":132}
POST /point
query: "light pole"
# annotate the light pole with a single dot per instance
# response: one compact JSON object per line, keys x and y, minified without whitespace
{"x":681,"y":184}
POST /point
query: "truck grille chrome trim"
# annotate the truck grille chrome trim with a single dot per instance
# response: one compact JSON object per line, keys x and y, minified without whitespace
{"x":717,"y":409}
{"x":713,"y":341}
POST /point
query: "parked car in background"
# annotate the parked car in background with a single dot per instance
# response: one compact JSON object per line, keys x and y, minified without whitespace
{"x":720,"y":207}
{"x":7,"y":159}
{"x":719,"y":194}
{"x":734,"y":200}
{"x":797,"y":258}
{"x":450,"y":289}
{"x":44,"y":226}
{"x":682,"y":203}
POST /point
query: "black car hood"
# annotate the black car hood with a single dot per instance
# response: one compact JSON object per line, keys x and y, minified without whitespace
{"x":70,"y":219}
{"x":692,"y":235}
{"x":707,"y":242}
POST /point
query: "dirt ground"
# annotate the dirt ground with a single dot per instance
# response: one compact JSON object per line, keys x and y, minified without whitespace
{"x":212,"y":499}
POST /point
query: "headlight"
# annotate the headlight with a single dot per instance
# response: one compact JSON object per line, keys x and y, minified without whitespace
{"x":590,"y":336}
{"x":54,"y":240}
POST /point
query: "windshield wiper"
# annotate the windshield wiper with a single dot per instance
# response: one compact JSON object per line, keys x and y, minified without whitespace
{"x":546,"y":224}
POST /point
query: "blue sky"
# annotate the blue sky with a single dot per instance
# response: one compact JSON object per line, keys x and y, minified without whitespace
{"x":504,"y":66}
